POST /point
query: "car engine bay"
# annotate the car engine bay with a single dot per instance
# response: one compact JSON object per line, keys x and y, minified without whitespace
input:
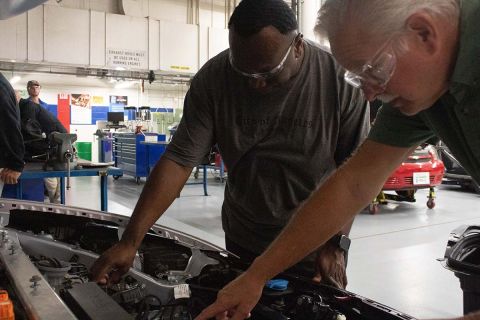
{"x":46,"y":252}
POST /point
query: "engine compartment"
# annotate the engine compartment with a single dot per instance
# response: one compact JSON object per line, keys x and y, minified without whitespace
{"x":46,"y":252}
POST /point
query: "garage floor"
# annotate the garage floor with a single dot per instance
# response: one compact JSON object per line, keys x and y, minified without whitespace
{"x":392,"y":257}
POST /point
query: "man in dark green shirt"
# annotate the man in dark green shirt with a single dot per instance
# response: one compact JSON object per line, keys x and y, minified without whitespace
{"x":421,"y":59}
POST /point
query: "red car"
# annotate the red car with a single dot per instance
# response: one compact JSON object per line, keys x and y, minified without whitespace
{"x":422,"y":169}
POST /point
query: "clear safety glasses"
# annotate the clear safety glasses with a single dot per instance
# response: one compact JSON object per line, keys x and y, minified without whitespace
{"x":377,"y":72}
{"x":269,"y":74}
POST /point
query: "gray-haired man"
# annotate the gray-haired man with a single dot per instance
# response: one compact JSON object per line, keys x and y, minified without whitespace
{"x":421,"y":58}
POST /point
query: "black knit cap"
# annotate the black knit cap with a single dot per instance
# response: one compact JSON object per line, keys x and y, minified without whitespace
{"x":251,"y":16}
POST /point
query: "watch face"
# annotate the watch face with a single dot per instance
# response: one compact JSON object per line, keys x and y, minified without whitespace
{"x":344,"y":242}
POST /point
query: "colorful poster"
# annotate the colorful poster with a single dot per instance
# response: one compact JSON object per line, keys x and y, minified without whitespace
{"x":119,"y":100}
{"x":81,"y":110}
{"x":97,"y":100}
{"x":63,"y":110}
{"x":117,"y":103}
{"x":81,"y":100}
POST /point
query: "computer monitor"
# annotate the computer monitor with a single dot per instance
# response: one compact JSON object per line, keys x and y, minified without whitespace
{"x":115,"y":117}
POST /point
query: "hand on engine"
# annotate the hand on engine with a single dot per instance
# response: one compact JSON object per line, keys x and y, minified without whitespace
{"x":330,"y":266}
{"x":113,"y":263}
{"x":236,"y":300}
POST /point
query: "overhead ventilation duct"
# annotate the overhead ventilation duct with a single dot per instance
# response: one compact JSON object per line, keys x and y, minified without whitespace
{"x":10,"y":8}
{"x":134,"y":8}
{"x":156,"y":76}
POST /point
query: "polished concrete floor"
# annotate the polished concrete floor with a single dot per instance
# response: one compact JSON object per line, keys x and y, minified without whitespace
{"x":393,"y":257}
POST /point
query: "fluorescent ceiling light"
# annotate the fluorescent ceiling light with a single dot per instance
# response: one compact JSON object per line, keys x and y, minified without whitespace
{"x":124,"y":85}
{"x":14,"y":80}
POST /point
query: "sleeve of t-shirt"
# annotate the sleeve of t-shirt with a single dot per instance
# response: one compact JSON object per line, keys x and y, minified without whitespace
{"x":194,"y":136}
{"x":354,"y":120}
{"x":11,"y":140}
{"x":393,"y":128}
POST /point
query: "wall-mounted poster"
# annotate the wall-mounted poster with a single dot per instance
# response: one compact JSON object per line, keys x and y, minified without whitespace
{"x":123,"y":100}
{"x":81,"y":110}
{"x":81,"y":100}
{"x":63,"y":110}
{"x":117,"y":103}
{"x":97,"y":101}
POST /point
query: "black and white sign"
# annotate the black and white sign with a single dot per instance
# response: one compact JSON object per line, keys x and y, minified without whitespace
{"x":127,"y":59}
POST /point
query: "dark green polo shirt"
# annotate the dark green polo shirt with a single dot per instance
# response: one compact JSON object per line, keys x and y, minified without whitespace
{"x":455,"y":117}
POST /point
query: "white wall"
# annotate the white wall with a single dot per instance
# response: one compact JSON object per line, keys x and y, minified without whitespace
{"x":212,"y":14}
{"x":58,"y":35}
{"x":13,"y":35}
{"x":168,"y":10}
{"x":66,"y":35}
{"x":179,"y":53}
{"x":97,"y":38}
{"x":126,"y":33}
{"x":211,"y":11}
{"x":309,"y":10}
{"x":35,"y":32}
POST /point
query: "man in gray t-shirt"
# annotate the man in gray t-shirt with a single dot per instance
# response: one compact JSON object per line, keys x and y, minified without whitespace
{"x":283,"y":119}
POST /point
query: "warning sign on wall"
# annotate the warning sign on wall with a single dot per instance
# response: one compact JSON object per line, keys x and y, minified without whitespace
{"x":128,"y":59}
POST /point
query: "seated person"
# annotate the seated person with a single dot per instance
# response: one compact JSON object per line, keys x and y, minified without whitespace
{"x":37,"y":124}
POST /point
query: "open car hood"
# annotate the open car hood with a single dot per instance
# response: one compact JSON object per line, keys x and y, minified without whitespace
{"x":46,"y":252}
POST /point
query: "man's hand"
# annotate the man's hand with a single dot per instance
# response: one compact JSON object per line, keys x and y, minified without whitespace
{"x":330,"y":267}
{"x":236,"y":300}
{"x":113,"y":263}
{"x":9,"y":176}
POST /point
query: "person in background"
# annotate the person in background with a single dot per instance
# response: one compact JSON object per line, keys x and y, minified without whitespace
{"x":33,"y":88}
{"x":421,"y":59}
{"x":37,"y":124}
{"x":11,"y":141}
{"x":283,"y":119}
{"x":34,"y":108}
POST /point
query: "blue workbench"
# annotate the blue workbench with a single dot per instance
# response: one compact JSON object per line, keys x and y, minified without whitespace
{"x":34,"y":172}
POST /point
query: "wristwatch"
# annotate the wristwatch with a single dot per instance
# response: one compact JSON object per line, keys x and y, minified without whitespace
{"x":342,"y":241}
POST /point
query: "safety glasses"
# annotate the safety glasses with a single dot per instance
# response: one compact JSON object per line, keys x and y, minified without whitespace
{"x":377,"y":72}
{"x":269,"y":74}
